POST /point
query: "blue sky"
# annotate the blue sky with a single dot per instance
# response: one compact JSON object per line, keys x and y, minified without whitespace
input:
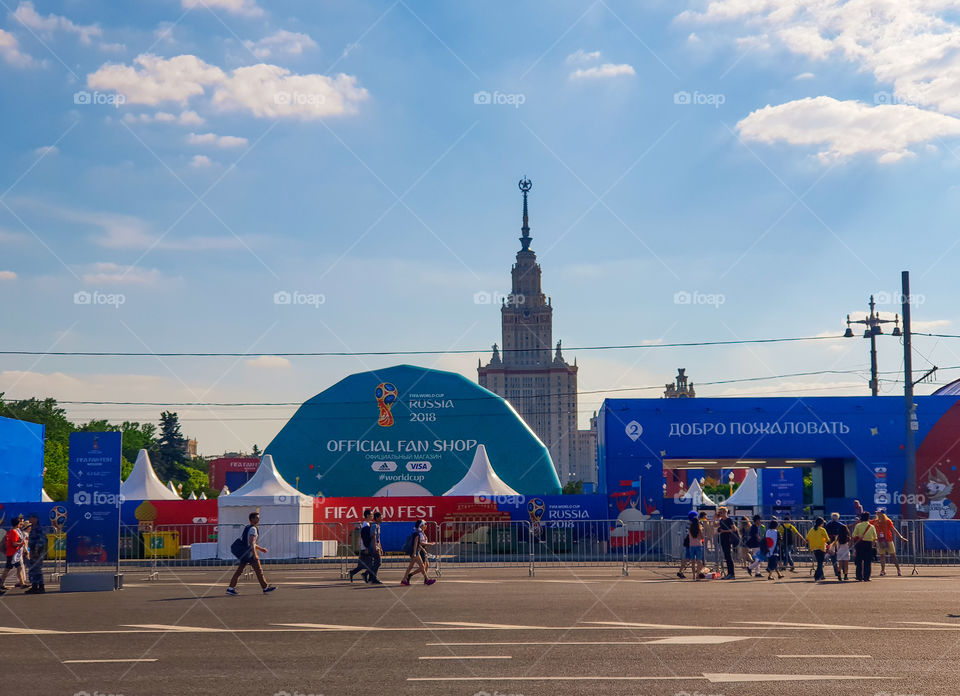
{"x":195,"y":158}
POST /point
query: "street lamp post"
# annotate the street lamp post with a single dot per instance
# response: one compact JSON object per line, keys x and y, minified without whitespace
{"x":873,"y":322}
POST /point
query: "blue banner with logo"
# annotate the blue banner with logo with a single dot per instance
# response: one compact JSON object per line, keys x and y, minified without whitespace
{"x":93,"y":497}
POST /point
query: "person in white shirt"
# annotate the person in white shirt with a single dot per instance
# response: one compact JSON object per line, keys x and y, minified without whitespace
{"x":251,"y":557}
{"x":773,"y":553}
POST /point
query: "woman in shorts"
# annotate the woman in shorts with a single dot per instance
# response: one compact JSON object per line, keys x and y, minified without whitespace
{"x":418,"y":557}
{"x":695,"y":548}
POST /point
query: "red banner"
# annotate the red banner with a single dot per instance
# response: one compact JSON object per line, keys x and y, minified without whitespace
{"x":433,"y":509}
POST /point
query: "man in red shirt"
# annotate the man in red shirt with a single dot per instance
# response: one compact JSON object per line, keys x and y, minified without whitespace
{"x":13,"y":543}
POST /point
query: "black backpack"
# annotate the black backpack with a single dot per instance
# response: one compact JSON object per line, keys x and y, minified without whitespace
{"x":240,"y":548}
{"x":410,"y":543}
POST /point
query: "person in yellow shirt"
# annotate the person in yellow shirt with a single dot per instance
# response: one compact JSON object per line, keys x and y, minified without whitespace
{"x":864,"y":537}
{"x":817,"y":540}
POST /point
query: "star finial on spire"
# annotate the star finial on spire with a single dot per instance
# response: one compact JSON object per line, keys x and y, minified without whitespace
{"x":525,"y":185}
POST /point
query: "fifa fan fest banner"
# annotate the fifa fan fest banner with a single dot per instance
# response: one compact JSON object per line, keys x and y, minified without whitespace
{"x":93,"y":498}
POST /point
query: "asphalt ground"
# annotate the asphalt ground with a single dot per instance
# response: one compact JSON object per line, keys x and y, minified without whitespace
{"x":487,"y":631}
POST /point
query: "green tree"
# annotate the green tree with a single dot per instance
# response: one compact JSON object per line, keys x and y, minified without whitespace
{"x":256,"y":450}
{"x":171,"y":449}
{"x":573,"y":488}
{"x":137,"y":436}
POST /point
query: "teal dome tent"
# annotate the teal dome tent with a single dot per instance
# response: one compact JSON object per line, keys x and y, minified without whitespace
{"x":403,"y":428}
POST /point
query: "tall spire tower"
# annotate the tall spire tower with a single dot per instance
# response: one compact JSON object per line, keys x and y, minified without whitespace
{"x":537,"y":381}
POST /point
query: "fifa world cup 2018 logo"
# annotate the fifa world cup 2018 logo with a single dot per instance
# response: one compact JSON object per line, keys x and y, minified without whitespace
{"x":535,"y":508}
{"x":386,"y":395}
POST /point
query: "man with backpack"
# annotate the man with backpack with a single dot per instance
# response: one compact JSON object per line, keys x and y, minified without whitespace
{"x":37,"y":548}
{"x":363,"y":562}
{"x":14,"y":551}
{"x":789,"y":536}
{"x":248,"y":551}
{"x":839,"y":546}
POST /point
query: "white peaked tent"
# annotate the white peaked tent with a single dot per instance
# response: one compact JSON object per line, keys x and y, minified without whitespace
{"x":224,"y":490}
{"x":747,"y":493}
{"x":173,"y":489}
{"x":481,"y":479}
{"x":286,"y":515}
{"x":696,"y":497}
{"x":44,"y":498}
{"x":192,"y":496}
{"x":143,"y":484}
{"x":203,"y":496}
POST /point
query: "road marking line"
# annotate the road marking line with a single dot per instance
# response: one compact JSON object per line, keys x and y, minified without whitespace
{"x":730,"y":678}
{"x":931,"y":623}
{"x":132,"y":659}
{"x":177,"y":629}
{"x":544,"y":642}
{"x":27,"y":631}
{"x":579,"y":678}
{"x":508,"y":627}
{"x":695,"y":640}
{"x":629,"y":624}
{"x":467,"y":657}
{"x":828,"y":657}
{"x":790,"y":624}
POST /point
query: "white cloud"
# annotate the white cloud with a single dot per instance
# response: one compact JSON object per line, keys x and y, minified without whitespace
{"x":200,"y":161}
{"x":579,"y":57}
{"x":280,"y":43}
{"x":912,"y":47}
{"x":10,"y":50}
{"x":8,"y":275}
{"x":108,"y":273}
{"x":223,"y":141}
{"x":244,"y":8}
{"x":842,"y":129}
{"x":186,"y":118}
{"x":929,"y":325}
{"x":604,"y":71}
{"x":46,"y":150}
{"x":29,"y":17}
{"x":805,"y":76}
{"x":269,"y":362}
{"x":270,"y":91}
{"x":158,"y":79}
{"x":266,"y":91}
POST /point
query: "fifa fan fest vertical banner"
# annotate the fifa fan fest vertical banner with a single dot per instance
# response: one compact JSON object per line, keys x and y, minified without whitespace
{"x":93,"y":494}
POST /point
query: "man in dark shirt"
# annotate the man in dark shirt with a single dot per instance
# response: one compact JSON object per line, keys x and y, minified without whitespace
{"x":363,"y":562}
{"x":836,"y":529}
{"x":728,"y":538}
{"x":376,"y":550}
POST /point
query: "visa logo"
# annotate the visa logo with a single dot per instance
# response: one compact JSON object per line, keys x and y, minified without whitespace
{"x":419,"y":466}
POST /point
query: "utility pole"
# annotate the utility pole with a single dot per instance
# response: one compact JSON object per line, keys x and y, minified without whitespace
{"x":910,"y":414}
{"x":874,"y":323}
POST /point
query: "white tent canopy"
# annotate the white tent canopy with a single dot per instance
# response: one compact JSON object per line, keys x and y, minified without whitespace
{"x":696,"y":497}
{"x":173,"y":489}
{"x":44,"y":498}
{"x":225,"y":490}
{"x":143,"y":484}
{"x":747,"y":493}
{"x":192,"y":496}
{"x":481,"y":479}
{"x":286,"y":515}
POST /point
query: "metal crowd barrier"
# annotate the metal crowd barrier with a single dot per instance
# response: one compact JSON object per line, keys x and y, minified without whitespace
{"x":486,"y":543}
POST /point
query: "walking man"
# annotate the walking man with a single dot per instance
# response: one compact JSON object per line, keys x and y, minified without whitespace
{"x":363,"y":562}
{"x":839,"y":549}
{"x":789,"y":536}
{"x":376,"y":550}
{"x":864,"y":536}
{"x":14,"y":546}
{"x":37,"y":548}
{"x":728,"y":539}
{"x":251,"y":557}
